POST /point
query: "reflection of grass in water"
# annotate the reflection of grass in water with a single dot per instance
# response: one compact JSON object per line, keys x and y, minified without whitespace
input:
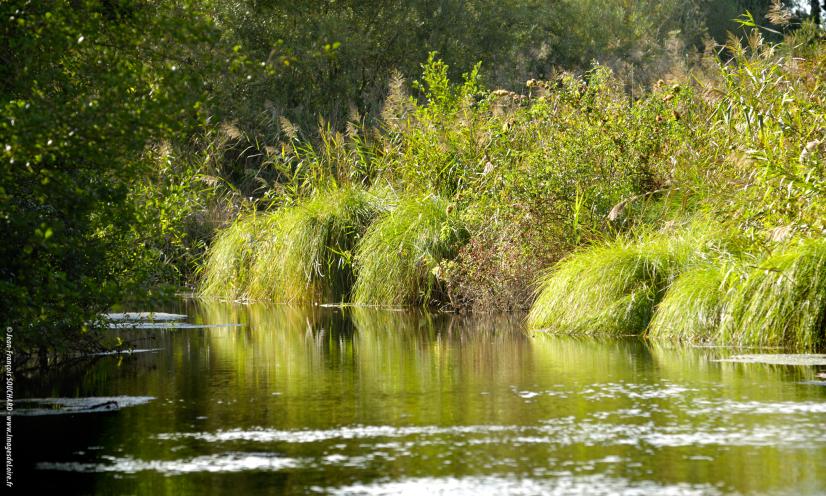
{"x":783,"y":301}
{"x":392,"y":338}
{"x":436,"y":366}
{"x":399,"y":253}
{"x":285,"y":349}
{"x":409,"y":323}
{"x":587,"y":359}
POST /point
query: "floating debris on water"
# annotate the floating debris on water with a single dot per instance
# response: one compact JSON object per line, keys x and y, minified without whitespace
{"x":165,"y":325}
{"x":127,"y":351}
{"x":778,"y":359}
{"x":68,"y":406}
{"x":154,"y":320}
{"x":145,"y":316}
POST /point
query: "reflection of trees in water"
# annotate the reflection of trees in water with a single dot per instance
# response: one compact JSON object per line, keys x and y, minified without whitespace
{"x":407,"y":362}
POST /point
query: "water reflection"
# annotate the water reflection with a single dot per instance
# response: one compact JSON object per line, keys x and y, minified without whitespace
{"x":365,"y":401}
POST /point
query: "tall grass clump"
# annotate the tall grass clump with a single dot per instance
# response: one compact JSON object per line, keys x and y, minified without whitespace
{"x":226,"y":270}
{"x":611,"y":288}
{"x":399,"y":256}
{"x":692,"y":307}
{"x":308,"y":253}
{"x":782,"y":302}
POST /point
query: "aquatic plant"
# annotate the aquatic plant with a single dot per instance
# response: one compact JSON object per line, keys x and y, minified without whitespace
{"x":307,"y":253}
{"x":610,"y":288}
{"x":398,"y":258}
{"x":782,"y":302}
{"x":226,"y":270}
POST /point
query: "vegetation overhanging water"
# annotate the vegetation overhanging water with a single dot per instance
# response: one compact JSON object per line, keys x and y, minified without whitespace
{"x":634,"y":176}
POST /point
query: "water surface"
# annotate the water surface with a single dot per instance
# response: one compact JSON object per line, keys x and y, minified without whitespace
{"x":357,"y":401}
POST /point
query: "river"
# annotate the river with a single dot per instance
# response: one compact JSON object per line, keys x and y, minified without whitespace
{"x":362,"y":401}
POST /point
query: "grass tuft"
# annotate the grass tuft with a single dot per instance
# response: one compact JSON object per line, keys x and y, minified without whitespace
{"x":307,"y":254}
{"x":609,"y":289}
{"x":692,"y":307}
{"x":782,"y":302}
{"x":399,"y":254}
{"x":226,"y":271}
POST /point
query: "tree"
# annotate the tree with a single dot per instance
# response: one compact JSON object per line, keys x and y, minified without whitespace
{"x":85,"y":85}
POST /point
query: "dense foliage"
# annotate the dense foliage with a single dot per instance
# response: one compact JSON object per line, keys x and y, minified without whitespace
{"x":85,"y":86}
{"x":132,"y":129}
{"x":756,"y":177}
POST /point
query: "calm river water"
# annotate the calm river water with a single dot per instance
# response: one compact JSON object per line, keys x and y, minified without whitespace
{"x":356,"y":401}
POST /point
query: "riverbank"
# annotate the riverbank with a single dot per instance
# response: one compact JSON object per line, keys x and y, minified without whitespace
{"x":693,"y":212}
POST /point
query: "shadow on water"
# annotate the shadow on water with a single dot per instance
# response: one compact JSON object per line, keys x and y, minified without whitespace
{"x":367,"y":401}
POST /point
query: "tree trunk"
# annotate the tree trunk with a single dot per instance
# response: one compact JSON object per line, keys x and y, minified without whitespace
{"x":816,"y":11}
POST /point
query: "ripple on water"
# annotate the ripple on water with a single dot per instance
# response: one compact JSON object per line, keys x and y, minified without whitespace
{"x":707,"y":407}
{"x":225,"y":462}
{"x":613,"y":390}
{"x":317,"y":435}
{"x":495,"y":486}
{"x":804,"y":433}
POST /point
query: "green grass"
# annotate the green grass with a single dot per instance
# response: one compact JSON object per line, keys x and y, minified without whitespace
{"x":611,"y":288}
{"x":266,"y":274}
{"x":689,"y":286}
{"x":782,"y":302}
{"x":307,"y":255}
{"x":692,"y":307}
{"x":226,"y":271}
{"x":397,"y":257}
